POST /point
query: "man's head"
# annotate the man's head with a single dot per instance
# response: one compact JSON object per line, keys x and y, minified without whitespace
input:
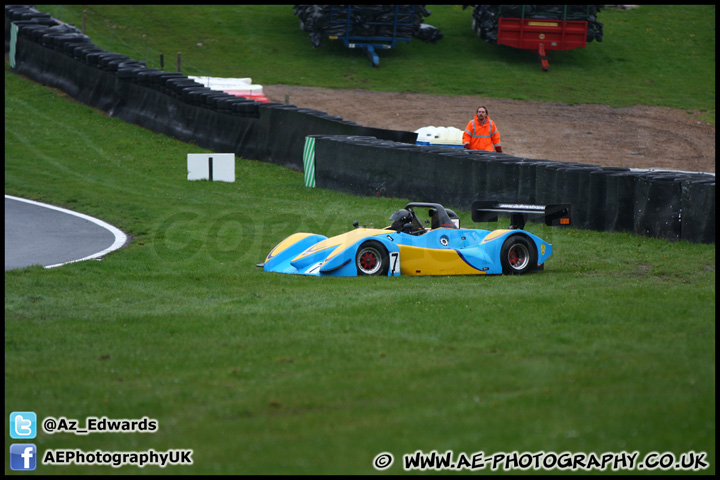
{"x":400,"y":218}
{"x":482,"y":113}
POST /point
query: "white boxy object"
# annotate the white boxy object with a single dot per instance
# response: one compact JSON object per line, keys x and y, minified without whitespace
{"x":443,"y":136}
{"x":218,"y":167}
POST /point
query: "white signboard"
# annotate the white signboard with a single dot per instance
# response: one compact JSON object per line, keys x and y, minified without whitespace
{"x":219,"y":167}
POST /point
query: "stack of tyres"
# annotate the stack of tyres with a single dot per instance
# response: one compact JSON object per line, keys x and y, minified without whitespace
{"x":24,"y":16}
{"x":423,"y":162}
{"x":105,"y":60}
{"x":619,"y":201}
{"x":339,"y":166}
{"x":461,"y":168}
{"x":567,"y":189}
{"x":322,"y":21}
{"x":80,"y":52}
{"x":546,"y":182}
{"x":26,"y":29}
{"x":69,"y":47}
{"x":574,"y":188}
{"x":657,"y":205}
{"x":194,"y":95}
{"x":37,"y":35}
{"x":128,"y":71}
{"x":143,"y":76}
{"x":54,"y":37}
{"x":57,"y":41}
{"x":159,"y":81}
{"x":597,"y":192}
{"x":93,"y":58}
{"x":527,"y":178}
{"x":503,"y":173}
{"x":234,"y":105}
{"x":246,"y":108}
{"x":24,"y":12}
{"x":698,"y":207}
{"x":177,"y":85}
{"x":211,"y":99}
{"x":482,"y":164}
{"x":129,"y":66}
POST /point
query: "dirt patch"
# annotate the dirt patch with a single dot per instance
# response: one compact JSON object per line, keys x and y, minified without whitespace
{"x":635,"y":137}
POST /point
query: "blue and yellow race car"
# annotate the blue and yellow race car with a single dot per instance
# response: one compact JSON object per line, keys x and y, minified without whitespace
{"x":437,"y":246}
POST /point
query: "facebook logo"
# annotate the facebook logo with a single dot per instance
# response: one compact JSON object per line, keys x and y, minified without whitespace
{"x":23,"y":456}
{"x":23,"y":425}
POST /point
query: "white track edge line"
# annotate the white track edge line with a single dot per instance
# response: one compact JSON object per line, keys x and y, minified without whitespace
{"x":120,"y":237}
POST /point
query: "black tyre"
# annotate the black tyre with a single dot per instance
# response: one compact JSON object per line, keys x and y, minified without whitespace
{"x":372,"y":259}
{"x":518,"y":255}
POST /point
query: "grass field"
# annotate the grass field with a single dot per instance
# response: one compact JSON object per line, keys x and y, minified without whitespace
{"x":610,"y":349}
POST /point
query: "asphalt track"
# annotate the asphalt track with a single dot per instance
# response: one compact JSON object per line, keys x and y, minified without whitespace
{"x":41,"y":234}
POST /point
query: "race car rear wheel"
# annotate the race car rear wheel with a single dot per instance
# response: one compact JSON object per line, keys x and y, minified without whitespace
{"x":372,"y":259}
{"x":518,"y":255}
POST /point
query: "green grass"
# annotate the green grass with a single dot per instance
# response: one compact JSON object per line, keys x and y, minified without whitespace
{"x":660,"y":55}
{"x":610,"y":349}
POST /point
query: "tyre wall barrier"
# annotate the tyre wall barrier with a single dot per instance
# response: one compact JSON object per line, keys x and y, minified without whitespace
{"x":283,"y":129}
{"x":142,"y":100}
{"x":698,"y":207}
{"x":669,"y":205}
{"x":350,"y":157}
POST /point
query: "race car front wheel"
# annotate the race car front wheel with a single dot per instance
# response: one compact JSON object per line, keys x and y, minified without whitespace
{"x":372,"y":259}
{"x":517,"y":255}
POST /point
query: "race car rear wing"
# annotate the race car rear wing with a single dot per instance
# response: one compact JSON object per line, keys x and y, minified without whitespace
{"x":487,"y":211}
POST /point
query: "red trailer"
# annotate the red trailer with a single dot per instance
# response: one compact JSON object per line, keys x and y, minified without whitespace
{"x":566,"y":32}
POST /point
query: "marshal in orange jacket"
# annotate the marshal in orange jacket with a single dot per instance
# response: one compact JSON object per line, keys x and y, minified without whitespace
{"x":479,"y":136}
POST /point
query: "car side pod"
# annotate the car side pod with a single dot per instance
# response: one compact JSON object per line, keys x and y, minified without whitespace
{"x":557,"y":214}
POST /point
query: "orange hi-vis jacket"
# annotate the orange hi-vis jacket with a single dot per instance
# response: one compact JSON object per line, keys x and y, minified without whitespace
{"x":481,"y":136}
